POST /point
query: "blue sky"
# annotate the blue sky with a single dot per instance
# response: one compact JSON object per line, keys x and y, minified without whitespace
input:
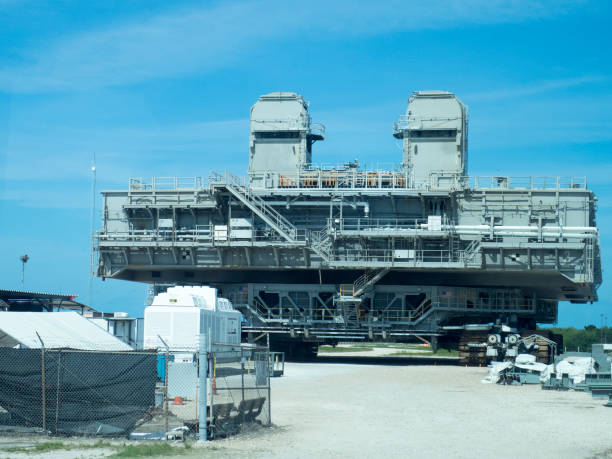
{"x":164,"y":88}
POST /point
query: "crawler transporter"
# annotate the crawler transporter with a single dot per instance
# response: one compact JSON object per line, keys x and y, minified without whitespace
{"x":312,"y":254}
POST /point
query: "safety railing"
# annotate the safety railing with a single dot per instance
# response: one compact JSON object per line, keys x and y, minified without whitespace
{"x":413,"y":122}
{"x":333,"y":179}
{"x":317,"y":129}
{"x":391,"y":256}
{"x":368,"y":224}
{"x":202,"y":234}
{"x":453,"y":299}
{"x":358,"y":179}
{"x":540,"y":183}
{"x":367,"y":279}
{"x":167,"y":183}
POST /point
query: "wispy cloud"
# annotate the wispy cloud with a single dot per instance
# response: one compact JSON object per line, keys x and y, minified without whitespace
{"x":200,"y":40}
{"x":129,"y":150}
{"x":32,"y":195}
{"x":532,"y":89}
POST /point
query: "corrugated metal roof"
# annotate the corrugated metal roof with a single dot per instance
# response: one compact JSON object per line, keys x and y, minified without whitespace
{"x":56,"y":330}
{"x":24,"y":294}
{"x":55,"y":300}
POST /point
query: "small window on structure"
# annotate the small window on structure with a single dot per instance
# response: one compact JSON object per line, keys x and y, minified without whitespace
{"x":432,"y":133}
{"x":278,"y":135}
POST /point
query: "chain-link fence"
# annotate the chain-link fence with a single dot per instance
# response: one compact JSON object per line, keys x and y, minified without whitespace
{"x":135,"y":393}
{"x":75,"y":392}
{"x":240,"y":389}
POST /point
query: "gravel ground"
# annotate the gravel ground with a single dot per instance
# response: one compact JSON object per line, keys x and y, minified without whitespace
{"x":385,"y":407}
{"x":355,"y":410}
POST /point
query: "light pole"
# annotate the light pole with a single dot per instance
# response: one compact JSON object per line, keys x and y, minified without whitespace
{"x":24,"y":259}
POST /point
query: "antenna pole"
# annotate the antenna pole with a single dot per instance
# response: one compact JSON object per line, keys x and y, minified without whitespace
{"x":92,"y":229}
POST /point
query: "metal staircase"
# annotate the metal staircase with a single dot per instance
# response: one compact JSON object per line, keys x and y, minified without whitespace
{"x":348,"y":304}
{"x":254,"y":312}
{"x":470,"y":253}
{"x":367,"y":280}
{"x":349,"y":296}
{"x":350,"y":313}
{"x":421,"y":311}
{"x":237,"y":187}
{"x":321,"y":243}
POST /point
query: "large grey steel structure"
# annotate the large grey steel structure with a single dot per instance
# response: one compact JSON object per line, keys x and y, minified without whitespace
{"x":318,"y":254}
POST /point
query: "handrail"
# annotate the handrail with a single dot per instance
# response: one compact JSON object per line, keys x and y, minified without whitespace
{"x":166,"y":183}
{"x":368,"y":223}
{"x":354,"y":178}
{"x":404,"y":121}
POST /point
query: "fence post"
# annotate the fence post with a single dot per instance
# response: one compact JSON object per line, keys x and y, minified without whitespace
{"x":166,"y":358}
{"x":43,"y":384}
{"x":57,"y":390}
{"x":269,"y":384}
{"x":242,"y":359}
{"x":203,"y":367}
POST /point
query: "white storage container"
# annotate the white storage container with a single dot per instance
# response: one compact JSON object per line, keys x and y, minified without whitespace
{"x":179,"y":315}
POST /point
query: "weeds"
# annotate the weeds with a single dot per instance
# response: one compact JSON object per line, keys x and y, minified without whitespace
{"x":149,"y":450}
{"x":39,"y":447}
{"x":344,"y":349}
{"x":152,"y":449}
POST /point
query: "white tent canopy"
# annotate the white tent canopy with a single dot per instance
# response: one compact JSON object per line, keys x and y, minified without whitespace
{"x":56,"y":330}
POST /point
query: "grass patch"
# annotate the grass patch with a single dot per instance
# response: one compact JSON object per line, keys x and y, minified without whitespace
{"x":429,"y":353}
{"x":149,"y":450}
{"x":47,"y":446}
{"x":344,"y":349}
{"x":39,"y":447}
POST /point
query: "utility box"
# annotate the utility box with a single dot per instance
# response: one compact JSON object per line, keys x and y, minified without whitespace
{"x":241,"y":228}
{"x":220,"y":233}
{"x":434,"y":223}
